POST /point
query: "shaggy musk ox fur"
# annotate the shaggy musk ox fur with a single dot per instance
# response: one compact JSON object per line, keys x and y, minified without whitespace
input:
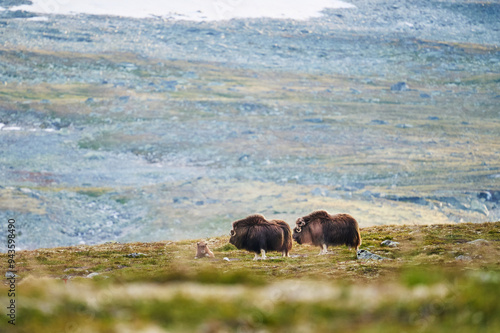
{"x":322,"y":229}
{"x":256,"y":234}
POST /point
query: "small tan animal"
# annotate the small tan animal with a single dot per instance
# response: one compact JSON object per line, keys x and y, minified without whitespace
{"x":203,"y":251}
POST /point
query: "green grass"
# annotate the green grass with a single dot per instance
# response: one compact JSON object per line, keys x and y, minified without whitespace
{"x":423,"y":288}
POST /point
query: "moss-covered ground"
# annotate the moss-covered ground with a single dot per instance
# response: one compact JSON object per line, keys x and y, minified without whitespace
{"x":439,"y":278}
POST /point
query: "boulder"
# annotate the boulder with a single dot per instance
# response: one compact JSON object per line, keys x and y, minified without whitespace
{"x":400,"y":86}
{"x":389,"y":243}
{"x":366,"y":255}
{"x":135,"y":255}
{"x":479,"y":242}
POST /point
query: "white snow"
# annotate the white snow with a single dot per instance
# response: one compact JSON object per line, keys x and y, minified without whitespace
{"x":195,"y":10}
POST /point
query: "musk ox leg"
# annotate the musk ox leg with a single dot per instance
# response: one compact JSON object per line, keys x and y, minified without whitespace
{"x":286,"y":254}
{"x":262,"y":255}
{"x":324,"y":249}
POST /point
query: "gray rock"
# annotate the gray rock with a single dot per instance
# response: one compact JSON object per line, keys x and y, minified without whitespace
{"x":170,"y":85}
{"x":366,"y":255}
{"x":404,"y":126}
{"x":91,"y":275}
{"x":479,"y":242}
{"x":10,"y":275}
{"x":400,"y":86}
{"x":378,"y":122}
{"x":319,"y":192}
{"x":389,"y":243}
{"x":463,"y":258}
{"x":135,"y":255}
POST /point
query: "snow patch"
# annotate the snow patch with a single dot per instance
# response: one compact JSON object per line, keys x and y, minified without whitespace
{"x":193,"y":10}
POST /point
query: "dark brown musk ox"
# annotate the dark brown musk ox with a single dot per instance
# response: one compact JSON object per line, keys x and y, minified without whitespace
{"x":256,"y":234}
{"x":322,"y":229}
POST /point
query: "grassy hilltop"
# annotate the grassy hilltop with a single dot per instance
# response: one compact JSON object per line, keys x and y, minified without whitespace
{"x":440,"y":278}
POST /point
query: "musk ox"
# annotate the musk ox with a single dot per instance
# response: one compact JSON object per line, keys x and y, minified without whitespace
{"x":256,"y":234}
{"x":202,"y":250}
{"x":322,"y":229}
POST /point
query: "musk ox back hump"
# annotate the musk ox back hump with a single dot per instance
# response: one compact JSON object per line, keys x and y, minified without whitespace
{"x":342,"y":229}
{"x":287,"y":235}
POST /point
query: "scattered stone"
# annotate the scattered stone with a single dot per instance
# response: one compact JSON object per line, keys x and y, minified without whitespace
{"x":10,"y":275}
{"x":169,"y":85}
{"x":463,"y":258}
{"x":91,"y":275}
{"x":366,"y":255}
{"x":244,"y":158}
{"x":400,"y":86}
{"x":378,"y":122}
{"x":319,"y":192}
{"x":433,"y":118}
{"x":485,"y":195}
{"x":404,"y":126}
{"x":423,"y":95}
{"x":479,"y":242}
{"x":179,"y":199}
{"x":389,"y":243}
{"x":135,"y":255}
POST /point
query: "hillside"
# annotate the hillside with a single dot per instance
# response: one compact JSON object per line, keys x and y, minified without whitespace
{"x":387,"y":111}
{"x":438,"y":278}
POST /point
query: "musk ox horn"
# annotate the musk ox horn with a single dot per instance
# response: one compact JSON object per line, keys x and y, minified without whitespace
{"x":302,"y":223}
{"x":232,"y":233}
{"x":298,"y":229}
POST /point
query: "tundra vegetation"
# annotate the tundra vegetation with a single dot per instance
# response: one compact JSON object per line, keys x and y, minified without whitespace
{"x":439,"y":278}
{"x":157,"y":131}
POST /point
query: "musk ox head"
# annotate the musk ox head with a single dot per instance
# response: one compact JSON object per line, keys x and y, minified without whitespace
{"x":234,"y":236}
{"x":296,"y":234}
{"x":302,"y":233}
